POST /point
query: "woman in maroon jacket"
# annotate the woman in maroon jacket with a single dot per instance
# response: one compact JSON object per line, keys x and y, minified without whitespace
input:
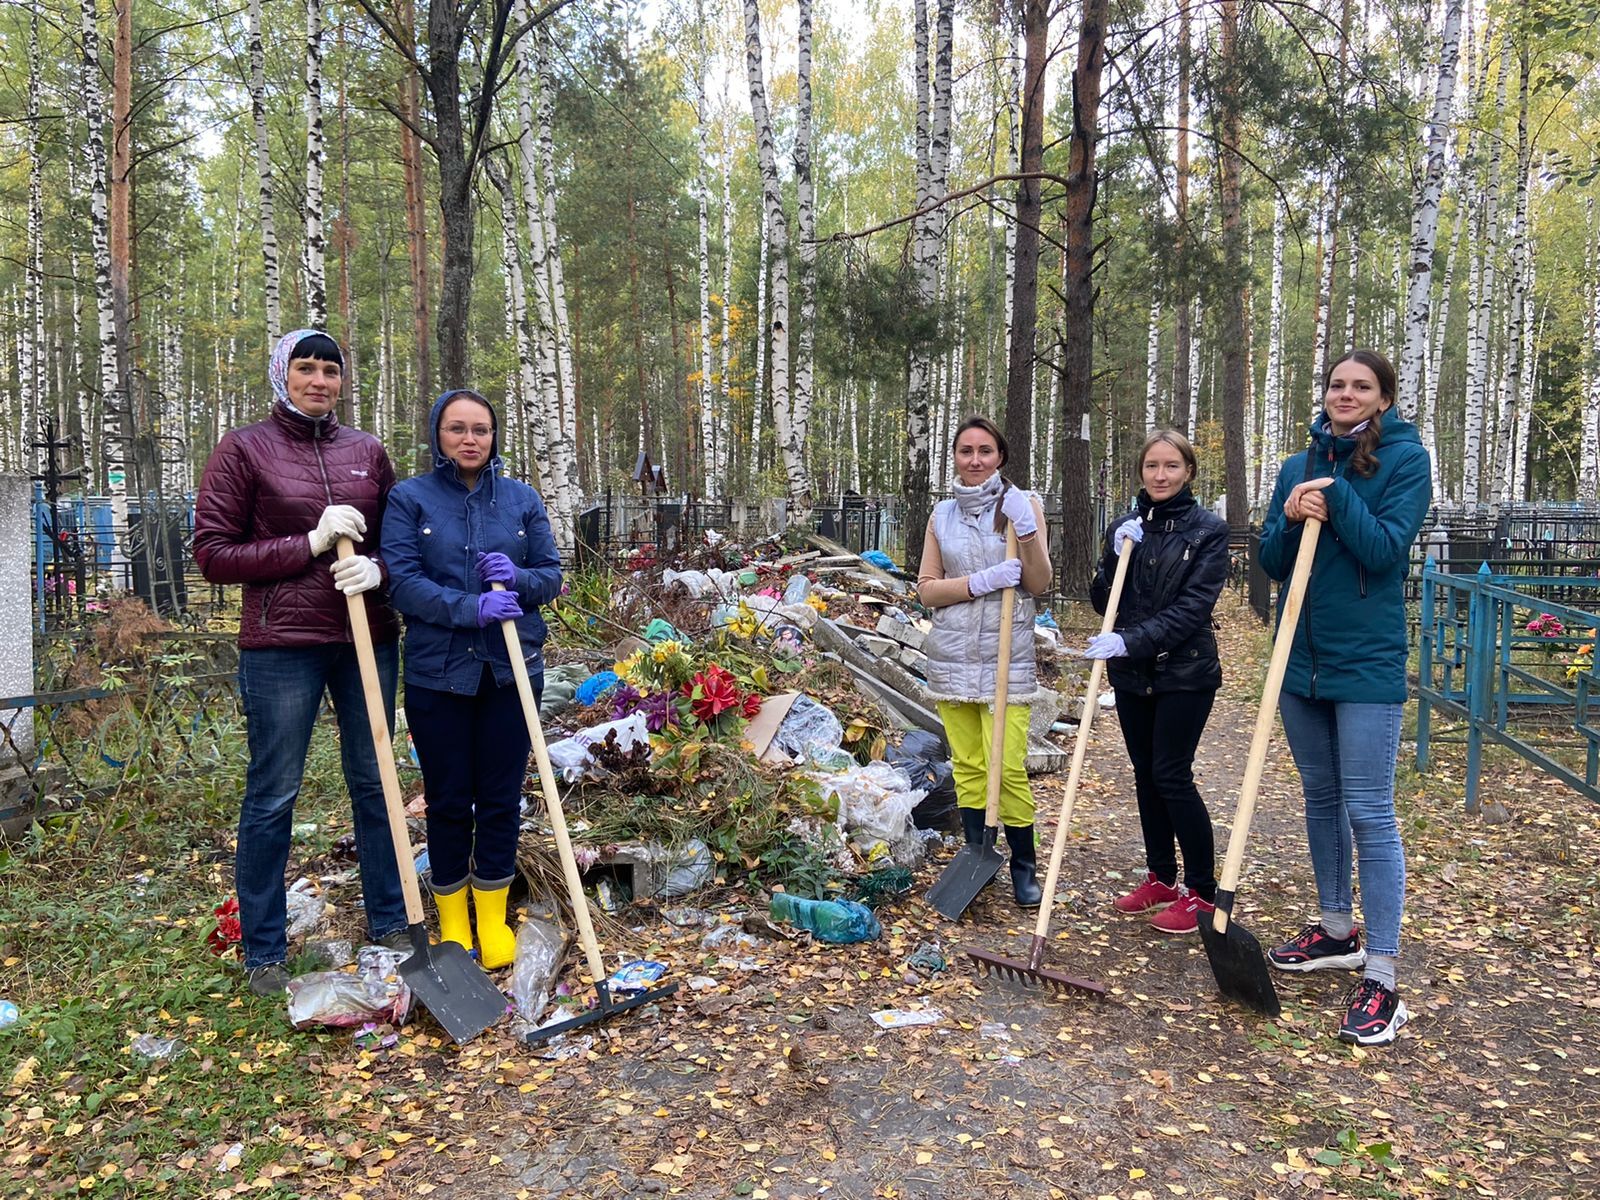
{"x":275,"y":498}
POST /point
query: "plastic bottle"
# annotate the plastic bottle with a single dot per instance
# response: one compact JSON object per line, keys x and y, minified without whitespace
{"x":830,"y":920}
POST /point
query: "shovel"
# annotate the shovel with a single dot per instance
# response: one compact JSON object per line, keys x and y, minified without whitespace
{"x":974,"y":866}
{"x":1236,"y":956}
{"x":1032,"y":971}
{"x":444,"y":978}
{"x":607,"y":1005}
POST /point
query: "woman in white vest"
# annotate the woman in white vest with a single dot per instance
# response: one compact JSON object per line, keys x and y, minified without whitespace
{"x":964,"y":574}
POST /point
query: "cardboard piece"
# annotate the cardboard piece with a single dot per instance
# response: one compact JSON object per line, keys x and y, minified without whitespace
{"x":760,"y":732}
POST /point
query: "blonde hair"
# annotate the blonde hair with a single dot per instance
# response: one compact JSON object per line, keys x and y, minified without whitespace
{"x":1177,"y":441}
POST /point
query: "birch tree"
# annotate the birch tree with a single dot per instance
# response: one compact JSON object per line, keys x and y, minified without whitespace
{"x":1425,"y":220}
{"x":1025,"y":291}
{"x":792,"y":451}
{"x":1182,"y":379}
{"x":725,"y":404}
{"x":1511,"y":375}
{"x":31,"y":345}
{"x":1484,"y":259}
{"x":806,"y":216}
{"x":316,"y":245}
{"x":1589,"y":466}
{"x":1272,"y":408}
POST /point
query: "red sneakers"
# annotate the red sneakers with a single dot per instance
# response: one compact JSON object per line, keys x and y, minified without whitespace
{"x":1152,"y":893}
{"x":1184,"y":914}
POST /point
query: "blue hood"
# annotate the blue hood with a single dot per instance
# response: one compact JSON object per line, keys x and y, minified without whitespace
{"x":440,"y":463}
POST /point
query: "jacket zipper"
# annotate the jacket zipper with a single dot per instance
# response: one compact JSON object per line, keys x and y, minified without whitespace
{"x":266,"y":604}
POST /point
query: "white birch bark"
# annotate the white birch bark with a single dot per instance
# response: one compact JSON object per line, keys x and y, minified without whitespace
{"x":1323,"y":316}
{"x":1194,"y":370}
{"x":711,"y":483}
{"x":1353,"y":287}
{"x":790,"y":449}
{"x":1008,"y":200}
{"x":31,"y":344}
{"x":758,"y":396}
{"x":1515,"y":366}
{"x":1425,"y":225}
{"x":854,"y":419}
{"x":1272,"y":393}
{"x":1589,"y":463}
{"x":1152,"y":365}
{"x":316,"y":244}
{"x":1484,"y":259}
{"x":806,"y":218}
{"x":1441,"y":325}
{"x":725,"y":405}
{"x":113,"y":453}
{"x":264,"y":197}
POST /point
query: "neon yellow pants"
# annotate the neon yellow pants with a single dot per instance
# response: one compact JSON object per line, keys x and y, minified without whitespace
{"x":968,"y":728}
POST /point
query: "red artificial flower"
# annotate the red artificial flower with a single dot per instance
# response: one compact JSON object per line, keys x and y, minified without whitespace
{"x":227,"y":934}
{"x":711,"y":693}
{"x":752,"y":706}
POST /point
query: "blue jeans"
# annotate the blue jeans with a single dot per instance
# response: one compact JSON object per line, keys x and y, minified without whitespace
{"x":281,"y":692}
{"x":1346,"y":756}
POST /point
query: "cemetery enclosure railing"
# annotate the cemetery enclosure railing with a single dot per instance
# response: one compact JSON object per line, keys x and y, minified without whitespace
{"x":1512,"y":658}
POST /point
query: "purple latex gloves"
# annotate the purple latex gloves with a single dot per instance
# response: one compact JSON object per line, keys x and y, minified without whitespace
{"x":496,"y":568}
{"x":497,"y":606}
{"x":1005,"y":574}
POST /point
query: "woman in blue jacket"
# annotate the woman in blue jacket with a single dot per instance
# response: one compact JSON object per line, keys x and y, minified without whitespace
{"x":447,"y":537}
{"x":1366,"y":477}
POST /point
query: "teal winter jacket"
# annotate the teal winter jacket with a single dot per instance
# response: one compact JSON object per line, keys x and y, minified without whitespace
{"x":1351,"y":643}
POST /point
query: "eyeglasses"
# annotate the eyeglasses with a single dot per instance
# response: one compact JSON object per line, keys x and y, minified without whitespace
{"x":477,"y":431}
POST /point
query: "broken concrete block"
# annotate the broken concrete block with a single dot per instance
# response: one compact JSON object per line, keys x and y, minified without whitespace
{"x":882,"y":647}
{"x":900,"y":631}
{"x":915,"y":660}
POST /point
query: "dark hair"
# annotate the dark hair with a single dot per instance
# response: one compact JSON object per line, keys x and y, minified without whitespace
{"x":450,"y":397}
{"x":1364,"y":461}
{"x":1177,"y":441}
{"x":319,"y":346}
{"x":988,"y":427}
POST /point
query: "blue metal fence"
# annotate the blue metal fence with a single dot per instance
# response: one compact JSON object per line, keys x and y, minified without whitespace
{"x":1502,"y":655}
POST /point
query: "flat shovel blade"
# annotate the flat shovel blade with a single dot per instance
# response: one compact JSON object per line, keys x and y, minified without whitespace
{"x":1238,"y":962}
{"x":451,"y":985}
{"x":967,"y":875}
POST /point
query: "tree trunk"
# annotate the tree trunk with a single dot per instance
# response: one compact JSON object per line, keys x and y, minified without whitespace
{"x":316,"y":248}
{"x":1327,"y":243}
{"x":1478,"y":343}
{"x":1511,"y":379}
{"x":791,"y":449}
{"x":758,"y":394}
{"x":724,"y":435}
{"x":1076,"y":348}
{"x":1589,"y":464}
{"x":1234,"y":266}
{"x":1272,"y":414}
{"x":1025,"y":292}
{"x":269,"y":236}
{"x":1182,"y":380}
{"x":345,"y":236}
{"x":711,"y":483}
{"x":1152,"y":365}
{"x":1425,"y":224}
{"x":806,"y":217}
{"x":31,"y":346}
{"x":565,"y":448}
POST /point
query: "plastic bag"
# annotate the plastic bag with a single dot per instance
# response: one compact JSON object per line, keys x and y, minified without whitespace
{"x":920,"y":756}
{"x":695,"y":582}
{"x":541,"y":944}
{"x":691,"y":867}
{"x":571,"y":757}
{"x":373,"y":992}
{"x":307,"y":911}
{"x":880,"y":560}
{"x":876,"y":800}
{"x":808,"y":728}
{"x":596,"y":686}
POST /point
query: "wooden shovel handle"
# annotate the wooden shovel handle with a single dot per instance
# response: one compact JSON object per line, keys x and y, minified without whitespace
{"x":1091,"y":701}
{"x":383,"y":746}
{"x":552,"y":800}
{"x":1282,"y":644}
{"x":1002,"y":681}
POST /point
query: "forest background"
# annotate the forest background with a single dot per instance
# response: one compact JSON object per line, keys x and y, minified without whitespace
{"x":783,"y":248}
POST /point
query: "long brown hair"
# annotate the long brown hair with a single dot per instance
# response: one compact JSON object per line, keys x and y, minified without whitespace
{"x":1364,"y":461}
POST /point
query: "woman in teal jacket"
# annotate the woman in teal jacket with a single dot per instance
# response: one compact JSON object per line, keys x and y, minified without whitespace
{"x":1366,"y":477}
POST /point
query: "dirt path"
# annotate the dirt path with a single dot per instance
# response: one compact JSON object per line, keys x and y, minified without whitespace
{"x":776,"y":1083}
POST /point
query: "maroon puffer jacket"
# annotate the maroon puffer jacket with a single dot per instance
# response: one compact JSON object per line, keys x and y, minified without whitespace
{"x":263,"y":491}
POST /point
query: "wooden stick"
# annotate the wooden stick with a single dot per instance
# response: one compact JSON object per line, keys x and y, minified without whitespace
{"x":547,"y":783}
{"x":1002,"y":682}
{"x":383,"y":743}
{"x":1282,"y":644}
{"x":1091,"y":701}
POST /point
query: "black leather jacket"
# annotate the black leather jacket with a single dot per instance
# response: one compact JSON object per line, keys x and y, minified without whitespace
{"x":1174,"y":578}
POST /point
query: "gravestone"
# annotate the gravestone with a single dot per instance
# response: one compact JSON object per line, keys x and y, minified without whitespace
{"x":17,"y":796}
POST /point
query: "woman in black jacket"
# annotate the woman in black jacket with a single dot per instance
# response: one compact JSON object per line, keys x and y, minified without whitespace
{"x":1165,"y":672}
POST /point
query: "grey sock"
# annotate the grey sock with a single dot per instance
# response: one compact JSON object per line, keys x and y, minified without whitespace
{"x":1338,"y":925}
{"x":1381,"y":967}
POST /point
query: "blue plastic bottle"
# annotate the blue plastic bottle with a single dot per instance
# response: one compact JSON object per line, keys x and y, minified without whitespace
{"x":830,"y":920}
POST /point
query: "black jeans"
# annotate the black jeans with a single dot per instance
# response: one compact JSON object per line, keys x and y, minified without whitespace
{"x":474,"y":755}
{"x":1161,"y":733}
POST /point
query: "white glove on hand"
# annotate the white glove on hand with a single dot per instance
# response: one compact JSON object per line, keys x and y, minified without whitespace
{"x":337,"y":521}
{"x":1106,"y":645}
{"x":1005,"y":574}
{"x":1130,"y":530}
{"x":356,"y":574}
{"x":1018,"y":508}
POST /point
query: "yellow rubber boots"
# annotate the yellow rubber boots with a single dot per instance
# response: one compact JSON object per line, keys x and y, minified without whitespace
{"x":497,"y":945}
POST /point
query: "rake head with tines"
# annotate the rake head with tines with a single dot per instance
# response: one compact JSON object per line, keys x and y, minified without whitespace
{"x":1032,"y":973}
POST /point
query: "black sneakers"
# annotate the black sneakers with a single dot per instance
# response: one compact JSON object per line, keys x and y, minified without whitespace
{"x":1375,"y":1017}
{"x":270,"y":979}
{"x":1312,"y":949}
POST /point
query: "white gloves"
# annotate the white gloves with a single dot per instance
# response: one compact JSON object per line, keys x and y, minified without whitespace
{"x":1005,"y":574}
{"x":356,"y":574}
{"x":337,"y":521}
{"x":1106,"y":645}
{"x":1018,"y":508}
{"x":1130,"y":530}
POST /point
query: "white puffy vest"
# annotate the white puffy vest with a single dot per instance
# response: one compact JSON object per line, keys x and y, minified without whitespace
{"x":964,"y":647}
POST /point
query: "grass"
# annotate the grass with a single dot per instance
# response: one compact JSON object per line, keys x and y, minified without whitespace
{"x":104,"y":918}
